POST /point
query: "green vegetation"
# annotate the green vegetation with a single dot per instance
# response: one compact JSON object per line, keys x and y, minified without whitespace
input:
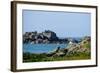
{"x":87,"y":45}
{"x":28,"y":57}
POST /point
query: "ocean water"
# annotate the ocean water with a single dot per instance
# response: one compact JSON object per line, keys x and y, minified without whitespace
{"x":41,"y":48}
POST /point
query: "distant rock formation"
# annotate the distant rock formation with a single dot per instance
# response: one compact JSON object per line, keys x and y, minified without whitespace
{"x":45,"y":37}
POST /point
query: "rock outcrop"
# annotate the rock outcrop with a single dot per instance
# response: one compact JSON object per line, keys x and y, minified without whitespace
{"x":82,"y":47}
{"x":44,"y":37}
{"x":73,"y":48}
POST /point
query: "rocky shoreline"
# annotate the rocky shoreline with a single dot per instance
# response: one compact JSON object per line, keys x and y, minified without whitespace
{"x":82,"y":47}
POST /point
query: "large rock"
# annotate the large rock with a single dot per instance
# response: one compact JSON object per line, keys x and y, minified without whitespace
{"x":43,"y":37}
{"x":83,"y":46}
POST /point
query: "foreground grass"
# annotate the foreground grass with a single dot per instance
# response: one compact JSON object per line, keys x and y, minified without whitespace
{"x":28,"y":57}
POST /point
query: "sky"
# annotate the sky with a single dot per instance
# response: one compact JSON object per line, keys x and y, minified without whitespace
{"x":64,"y":24}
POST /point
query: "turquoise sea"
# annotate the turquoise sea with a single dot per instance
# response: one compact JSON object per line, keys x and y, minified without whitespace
{"x":41,"y":48}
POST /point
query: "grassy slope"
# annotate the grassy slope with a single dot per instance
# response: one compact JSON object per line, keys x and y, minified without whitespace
{"x":43,"y":57}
